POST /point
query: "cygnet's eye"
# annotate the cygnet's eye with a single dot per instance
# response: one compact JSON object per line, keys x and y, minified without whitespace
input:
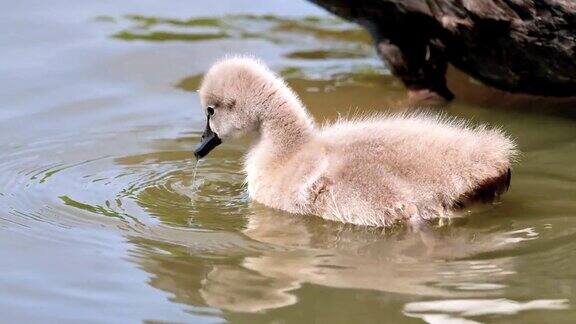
{"x":210,"y":110}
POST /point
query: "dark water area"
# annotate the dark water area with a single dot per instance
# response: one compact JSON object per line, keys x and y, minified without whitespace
{"x":101,"y":221}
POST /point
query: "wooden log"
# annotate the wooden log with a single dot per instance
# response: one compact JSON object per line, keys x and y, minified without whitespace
{"x":526,"y":46}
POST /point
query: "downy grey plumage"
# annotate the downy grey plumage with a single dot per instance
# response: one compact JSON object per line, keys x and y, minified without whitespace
{"x":377,"y":170}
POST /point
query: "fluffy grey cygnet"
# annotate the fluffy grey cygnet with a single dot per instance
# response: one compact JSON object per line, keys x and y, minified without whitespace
{"x":376,"y":171}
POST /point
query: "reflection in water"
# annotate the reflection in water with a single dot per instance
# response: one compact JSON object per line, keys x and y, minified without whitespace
{"x":271,"y":28}
{"x":455,"y":310}
{"x":293,"y":251}
{"x":301,"y":250}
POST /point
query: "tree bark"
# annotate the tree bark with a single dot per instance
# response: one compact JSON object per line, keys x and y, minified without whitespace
{"x":526,"y":46}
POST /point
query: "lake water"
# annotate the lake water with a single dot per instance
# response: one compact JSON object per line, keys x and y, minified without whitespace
{"x":100,"y":220}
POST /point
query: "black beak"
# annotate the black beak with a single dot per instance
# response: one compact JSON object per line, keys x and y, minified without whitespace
{"x":208,"y":142}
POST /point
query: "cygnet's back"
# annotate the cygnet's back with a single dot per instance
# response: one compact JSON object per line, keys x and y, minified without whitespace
{"x":412,"y":167}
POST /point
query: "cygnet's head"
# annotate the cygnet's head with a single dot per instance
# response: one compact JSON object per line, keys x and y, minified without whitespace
{"x":235,"y":95}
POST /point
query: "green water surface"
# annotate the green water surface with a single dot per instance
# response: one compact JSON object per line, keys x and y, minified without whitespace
{"x":100,"y":220}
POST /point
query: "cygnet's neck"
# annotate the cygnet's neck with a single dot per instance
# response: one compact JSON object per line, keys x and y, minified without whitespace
{"x":285,"y":125}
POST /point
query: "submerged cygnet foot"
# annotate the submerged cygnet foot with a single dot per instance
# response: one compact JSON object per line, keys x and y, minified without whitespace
{"x":375,"y":171}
